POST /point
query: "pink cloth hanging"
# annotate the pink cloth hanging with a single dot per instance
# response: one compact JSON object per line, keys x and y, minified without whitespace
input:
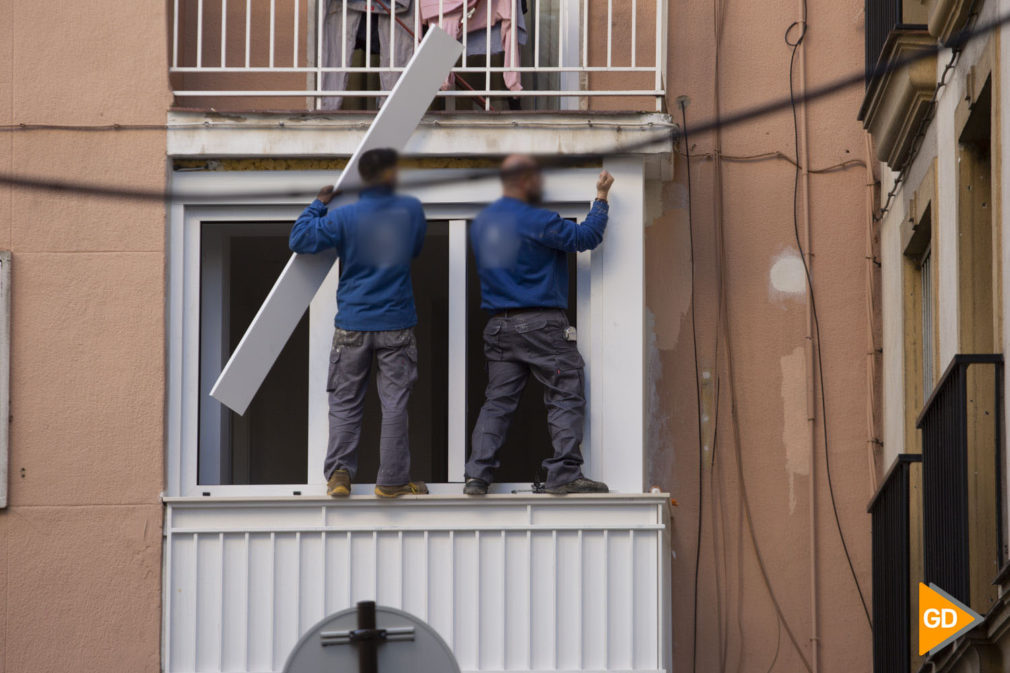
{"x":452,"y":23}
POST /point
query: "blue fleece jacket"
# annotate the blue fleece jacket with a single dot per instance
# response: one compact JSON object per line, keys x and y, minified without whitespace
{"x":521,"y":252}
{"x":376,"y":239}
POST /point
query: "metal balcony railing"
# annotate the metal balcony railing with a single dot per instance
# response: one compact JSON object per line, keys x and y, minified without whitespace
{"x":962,"y":464}
{"x":346,"y":54}
{"x":890,"y":513}
{"x":882,"y":18}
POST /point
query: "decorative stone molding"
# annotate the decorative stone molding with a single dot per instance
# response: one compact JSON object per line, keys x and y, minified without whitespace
{"x":947,"y":17}
{"x":896,"y":103}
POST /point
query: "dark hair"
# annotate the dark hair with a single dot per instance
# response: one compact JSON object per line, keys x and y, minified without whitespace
{"x":518,"y":171}
{"x":373,"y":163}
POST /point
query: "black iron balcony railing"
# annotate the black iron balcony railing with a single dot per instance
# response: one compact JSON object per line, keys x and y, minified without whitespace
{"x":883,"y":17}
{"x":890,"y":514}
{"x":962,"y":463}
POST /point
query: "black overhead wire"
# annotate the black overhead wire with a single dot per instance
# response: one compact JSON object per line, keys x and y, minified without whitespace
{"x":697,"y":386}
{"x":957,"y":42}
{"x":794,"y":36}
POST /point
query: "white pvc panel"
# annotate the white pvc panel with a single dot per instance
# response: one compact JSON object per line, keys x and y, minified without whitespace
{"x":509,"y":594}
{"x":304,"y":274}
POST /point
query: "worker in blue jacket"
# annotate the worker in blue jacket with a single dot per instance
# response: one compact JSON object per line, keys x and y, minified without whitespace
{"x":521,"y":252}
{"x":376,"y":238}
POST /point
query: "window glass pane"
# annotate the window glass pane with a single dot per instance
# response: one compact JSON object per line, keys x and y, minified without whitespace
{"x":268,"y":444}
{"x":528,"y":442}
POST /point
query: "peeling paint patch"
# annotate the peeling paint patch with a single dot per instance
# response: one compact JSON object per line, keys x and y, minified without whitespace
{"x":659,"y":458}
{"x":795,"y":431}
{"x":787,"y":277}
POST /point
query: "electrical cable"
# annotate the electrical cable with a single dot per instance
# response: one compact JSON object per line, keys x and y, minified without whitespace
{"x":697,"y":390}
{"x":744,"y":497}
{"x":794,"y":44}
{"x":956,"y":42}
{"x":778,"y":646}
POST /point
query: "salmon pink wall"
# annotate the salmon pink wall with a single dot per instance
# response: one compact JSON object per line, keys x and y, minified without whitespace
{"x":80,"y":544}
{"x":748,"y":197}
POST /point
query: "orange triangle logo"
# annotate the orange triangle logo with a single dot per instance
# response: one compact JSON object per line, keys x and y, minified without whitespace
{"x":942,"y":618}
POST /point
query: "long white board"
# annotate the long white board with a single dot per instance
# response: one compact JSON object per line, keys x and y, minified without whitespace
{"x":304,"y":274}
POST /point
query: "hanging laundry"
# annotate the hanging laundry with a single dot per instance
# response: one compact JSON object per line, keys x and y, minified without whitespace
{"x":502,"y":21}
{"x":340,"y":41}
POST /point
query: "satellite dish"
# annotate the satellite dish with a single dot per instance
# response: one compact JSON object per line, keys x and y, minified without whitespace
{"x":371,"y":639}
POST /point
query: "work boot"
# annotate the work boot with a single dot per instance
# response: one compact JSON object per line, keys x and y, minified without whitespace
{"x":580,"y":485}
{"x":475,"y":486}
{"x":339,"y":484}
{"x":412,"y":488}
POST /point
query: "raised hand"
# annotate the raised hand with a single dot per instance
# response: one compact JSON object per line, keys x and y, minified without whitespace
{"x":603,"y":184}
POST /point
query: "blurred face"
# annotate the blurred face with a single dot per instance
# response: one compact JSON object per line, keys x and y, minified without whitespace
{"x":534,"y":186}
{"x":390,"y":176}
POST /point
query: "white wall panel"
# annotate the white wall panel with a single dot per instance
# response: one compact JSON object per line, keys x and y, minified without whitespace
{"x":521,"y":583}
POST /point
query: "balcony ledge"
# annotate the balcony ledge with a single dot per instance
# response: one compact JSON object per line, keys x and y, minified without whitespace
{"x":947,"y":17}
{"x":201,"y":134}
{"x":896,"y":103}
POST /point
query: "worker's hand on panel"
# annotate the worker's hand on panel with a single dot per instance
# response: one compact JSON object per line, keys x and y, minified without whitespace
{"x":603,"y":184}
{"x":326,"y":194}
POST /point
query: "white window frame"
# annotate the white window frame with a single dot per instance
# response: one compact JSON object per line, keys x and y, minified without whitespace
{"x":610,"y":289}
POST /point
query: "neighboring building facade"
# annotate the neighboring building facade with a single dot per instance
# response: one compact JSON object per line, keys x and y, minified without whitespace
{"x":940,"y":514}
{"x":149,"y":528}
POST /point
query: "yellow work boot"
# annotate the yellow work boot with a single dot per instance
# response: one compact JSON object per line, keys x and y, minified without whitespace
{"x":413,"y":488}
{"x":339,"y":484}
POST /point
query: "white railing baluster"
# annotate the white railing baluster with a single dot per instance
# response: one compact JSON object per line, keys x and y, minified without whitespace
{"x":466,"y":31}
{"x":273,"y":23}
{"x":199,"y":33}
{"x":320,"y":17}
{"x":585,"y":33}
{"x":224,"y":32}
{"x":571,"y":65}
{"x":634,"y":31}
{"x":562,"y":24}
{"x":536,"y":40}
{"x":513,"y":47}
{"x":487,"y":57}
{"x":417,"y":25}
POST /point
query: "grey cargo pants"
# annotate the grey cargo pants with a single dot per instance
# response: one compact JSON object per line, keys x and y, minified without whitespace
{"x":517,"y":344}
{"x":350,"y":366}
